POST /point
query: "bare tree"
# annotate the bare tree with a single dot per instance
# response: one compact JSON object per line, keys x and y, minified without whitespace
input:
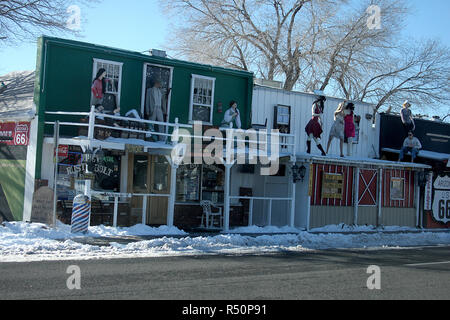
{"x":25,"y":19}
{"x":315,"y":44}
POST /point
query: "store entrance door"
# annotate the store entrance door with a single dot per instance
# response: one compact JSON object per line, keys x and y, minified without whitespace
{"x":148,"y":175}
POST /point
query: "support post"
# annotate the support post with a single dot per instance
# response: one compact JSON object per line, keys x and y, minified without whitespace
{"x":144,"y":210}
{"x":173,"y":186}
{"x":356,"y":197}
{"x":250,"y":213}
{"x":116,"y":207}
{"x":419,"y":222}
{"x":380,"y":195}
{"x":55,"y":172}
{"x":91,"y":128}
{"x":269,"y":214}
{"x":292,"y":211}
{"x":226,"y":220}
{"x":87,"y":193}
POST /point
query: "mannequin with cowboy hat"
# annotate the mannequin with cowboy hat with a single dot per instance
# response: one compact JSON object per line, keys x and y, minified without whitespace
{"x":407,"y":118}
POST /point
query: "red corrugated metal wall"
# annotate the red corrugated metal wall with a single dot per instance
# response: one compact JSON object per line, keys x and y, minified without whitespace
{"x":347,"y":198}
{"x":408,"y":198}
{"x":368,"y":191}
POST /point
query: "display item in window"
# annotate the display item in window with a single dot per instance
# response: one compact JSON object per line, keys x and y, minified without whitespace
{"x":155,"y":109}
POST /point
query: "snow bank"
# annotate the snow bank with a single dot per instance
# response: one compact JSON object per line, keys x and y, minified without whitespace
{"x":33,"y":242}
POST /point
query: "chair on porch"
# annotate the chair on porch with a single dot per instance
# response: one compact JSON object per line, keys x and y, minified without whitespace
{"x":210,"y":216}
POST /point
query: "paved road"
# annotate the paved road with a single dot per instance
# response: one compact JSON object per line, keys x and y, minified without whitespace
{"x":416,"y":273}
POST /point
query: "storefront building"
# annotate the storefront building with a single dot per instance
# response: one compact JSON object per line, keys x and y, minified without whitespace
{"x":16,"y":127}
{"x":133,"y":178}
{"x":435,"y":182}
{"x":353,"y":190}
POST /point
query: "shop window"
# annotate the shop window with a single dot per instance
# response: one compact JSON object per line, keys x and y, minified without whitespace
{"x":397,"y":189}
{"x":113,"y":77}
{"x":160,"y":175}
{"x":188,"y":183}
{"x":202,"y":99}
{"x":213,"y":183}
{"x":140,"y":173}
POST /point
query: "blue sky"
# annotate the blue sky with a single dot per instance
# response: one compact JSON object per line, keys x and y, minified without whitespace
{"x":140,"y":25}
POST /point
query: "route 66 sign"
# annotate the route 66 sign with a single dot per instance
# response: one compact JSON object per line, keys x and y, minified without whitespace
{"x":441,"y":201}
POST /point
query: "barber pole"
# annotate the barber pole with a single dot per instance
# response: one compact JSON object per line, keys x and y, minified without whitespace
{"x":81,"y":214}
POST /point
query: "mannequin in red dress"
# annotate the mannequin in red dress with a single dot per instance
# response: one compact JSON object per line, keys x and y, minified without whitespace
{"x":314,"y":127}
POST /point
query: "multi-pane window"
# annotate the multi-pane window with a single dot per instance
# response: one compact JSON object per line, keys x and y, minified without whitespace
{"x":113,"y":76}
{"x":283,"y":115}
{"x":202,"y":99}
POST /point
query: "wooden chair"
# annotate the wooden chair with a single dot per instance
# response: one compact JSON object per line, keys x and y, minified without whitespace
{"x":207,"y":212}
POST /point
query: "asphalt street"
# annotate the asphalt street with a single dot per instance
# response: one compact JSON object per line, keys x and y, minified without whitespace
{"x":413,"y":273}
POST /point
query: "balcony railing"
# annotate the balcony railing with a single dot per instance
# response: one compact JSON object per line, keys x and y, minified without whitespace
{"x":251,"y":140}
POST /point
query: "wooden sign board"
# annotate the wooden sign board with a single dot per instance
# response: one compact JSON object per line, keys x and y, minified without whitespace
{"x":134,"y":148}
{"x":332,"y":186}
{"x":42,"y":208}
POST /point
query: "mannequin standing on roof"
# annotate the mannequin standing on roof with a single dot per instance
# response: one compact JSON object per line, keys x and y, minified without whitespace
{"x":314,"y":127}
{"x":407,"y":118}
{"x":337,"y":130}
{"x":350,"y":128}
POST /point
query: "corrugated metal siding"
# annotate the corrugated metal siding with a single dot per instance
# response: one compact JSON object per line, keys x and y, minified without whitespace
{"x":367,"y":215}
{"x":264,"y":100}
{"x":317,"y":172}
{"x":409,"y":195}
{"x":322,"y":216}
{"x":405,"y":217}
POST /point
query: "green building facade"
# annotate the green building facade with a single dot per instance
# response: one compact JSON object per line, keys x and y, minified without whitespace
{"x":66,"y":69}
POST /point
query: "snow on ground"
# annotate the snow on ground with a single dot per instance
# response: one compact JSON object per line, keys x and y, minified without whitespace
{"x":22,"y":242}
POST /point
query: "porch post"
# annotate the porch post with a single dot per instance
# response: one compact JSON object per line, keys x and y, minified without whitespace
{"x":380,"y":195}
{"x":226,"y":219}
{"x":419,"y":222}
{"x":144,"y":210}
{"x":116,"y":207}
{"x":356,"y":197}
{"x":293,"y":189}
{"x":91,"y":128}
{"x":250,"y":213}
{"x":173,"y":187}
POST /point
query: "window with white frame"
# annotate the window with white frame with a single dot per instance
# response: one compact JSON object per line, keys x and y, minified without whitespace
{"x":202,"y":99}
{"x":113,"y":76}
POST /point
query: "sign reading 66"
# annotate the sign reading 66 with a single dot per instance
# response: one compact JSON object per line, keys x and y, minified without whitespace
{"x":441,"y":201}
{"x":21,"y":139}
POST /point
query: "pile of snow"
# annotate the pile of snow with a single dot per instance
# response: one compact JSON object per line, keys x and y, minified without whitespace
{"x":265,"y":230}
{"x":31,"y":242}
{"x":346,"y":228}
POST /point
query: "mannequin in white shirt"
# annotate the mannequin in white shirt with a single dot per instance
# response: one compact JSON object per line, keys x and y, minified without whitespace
{"x":232,"y":115}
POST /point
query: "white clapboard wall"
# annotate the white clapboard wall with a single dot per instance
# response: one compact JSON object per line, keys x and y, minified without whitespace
{"x":266,"y":98}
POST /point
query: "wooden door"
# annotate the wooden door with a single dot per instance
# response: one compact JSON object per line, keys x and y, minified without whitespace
{"x":138,"y":183}
{"x":159,"y":184}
